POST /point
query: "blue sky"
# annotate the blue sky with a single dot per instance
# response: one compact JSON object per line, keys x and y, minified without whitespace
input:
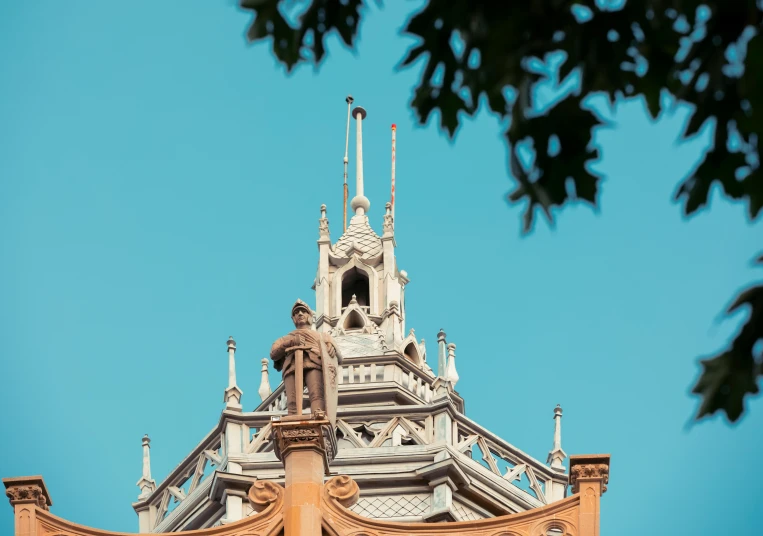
{"x":160,"y":184}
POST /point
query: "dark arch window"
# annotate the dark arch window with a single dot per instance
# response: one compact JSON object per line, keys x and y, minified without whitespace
{"x":411,"y":353}
{"x":354,"y":321}
{"x":355,"y":282}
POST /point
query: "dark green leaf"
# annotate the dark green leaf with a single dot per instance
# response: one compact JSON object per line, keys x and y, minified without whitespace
{"x":723,"y":384}
{"x":506,"y":34}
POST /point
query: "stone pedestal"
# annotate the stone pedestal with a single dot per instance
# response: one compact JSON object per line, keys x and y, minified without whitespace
{"x":589,"y":476}
{"x":306,"y":447}
{"x":26,"y":495}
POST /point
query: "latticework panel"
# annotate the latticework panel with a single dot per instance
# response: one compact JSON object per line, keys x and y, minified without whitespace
{"x":390,"y":506}
{"x":464,"y":513}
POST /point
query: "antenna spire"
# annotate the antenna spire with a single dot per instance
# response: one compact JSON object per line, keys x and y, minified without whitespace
{"x":349,"y":100}
{"x":360,"y":202}
{"x":392,"y":199}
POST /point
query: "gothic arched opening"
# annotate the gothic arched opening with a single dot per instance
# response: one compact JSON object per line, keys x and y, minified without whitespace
{"x":412,"y":353}
{"x":355,"y":283}
{"x":354,"y":320}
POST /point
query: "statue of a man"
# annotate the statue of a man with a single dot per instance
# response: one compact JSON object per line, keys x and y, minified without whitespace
{"x":320,"y":359}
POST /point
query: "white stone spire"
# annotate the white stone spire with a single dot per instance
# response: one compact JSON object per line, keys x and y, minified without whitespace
{"x":556,"y":456}
{"x":452,"y":375}
{"x":146,"y":484}
{"x":360,"y":203}
{"x":442,"y":356}
{"x":232,"y":393}
{"x":265,"y":390}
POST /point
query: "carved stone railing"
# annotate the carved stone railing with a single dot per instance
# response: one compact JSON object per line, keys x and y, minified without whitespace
{"x":508,"y":462}
{"x":358,"y":372}
{"x":186,"y":480}
{"x":416,"y":382}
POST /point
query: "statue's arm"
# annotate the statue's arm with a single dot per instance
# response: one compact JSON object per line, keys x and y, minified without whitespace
{"x":279,"y":348}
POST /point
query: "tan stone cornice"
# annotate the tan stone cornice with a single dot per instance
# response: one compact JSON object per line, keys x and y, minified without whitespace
{"x":589,"y":468}
{"x":290,"y":434}
{"x":27,"y":489}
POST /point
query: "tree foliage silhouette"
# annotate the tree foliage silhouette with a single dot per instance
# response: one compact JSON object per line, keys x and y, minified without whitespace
{"x":708,"y":55}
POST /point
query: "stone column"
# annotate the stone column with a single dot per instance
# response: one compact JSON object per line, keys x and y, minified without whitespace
{"x":26,"y":495}
{"x":441,"y":508}
{"x":306,"y":447}
{"x":589,"y":476}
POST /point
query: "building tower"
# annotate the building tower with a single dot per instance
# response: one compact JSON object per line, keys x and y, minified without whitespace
{"x":401,"y":456}
{"x":430,"y":462}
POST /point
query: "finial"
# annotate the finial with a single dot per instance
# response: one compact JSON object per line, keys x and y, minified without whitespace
{"x":452,"y":375}
{"x":557,"y":455}
{"x":323,"y":224}
{"x":265,"y":390}
{"x":389,"y":225}
{"x":146,"y":484}
{"x":360,"y":203}
{"x":233,"y":394}
{"x":354,"y":299}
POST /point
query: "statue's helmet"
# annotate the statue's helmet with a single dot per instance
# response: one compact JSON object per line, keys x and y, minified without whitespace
{"x":299,"y":304}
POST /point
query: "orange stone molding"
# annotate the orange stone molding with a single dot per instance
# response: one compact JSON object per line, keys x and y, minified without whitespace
{"x":309,"y":507}
{"x":266,"y":498}
{"x":339,"y":521}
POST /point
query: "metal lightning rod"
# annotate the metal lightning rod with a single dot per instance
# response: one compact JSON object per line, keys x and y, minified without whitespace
{"x":349,"y":101}
{"x":392,"y":200}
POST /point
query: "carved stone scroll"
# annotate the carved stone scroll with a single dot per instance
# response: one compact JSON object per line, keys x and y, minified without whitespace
{"x":263,"y":493}
{"x":343,"y":489}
